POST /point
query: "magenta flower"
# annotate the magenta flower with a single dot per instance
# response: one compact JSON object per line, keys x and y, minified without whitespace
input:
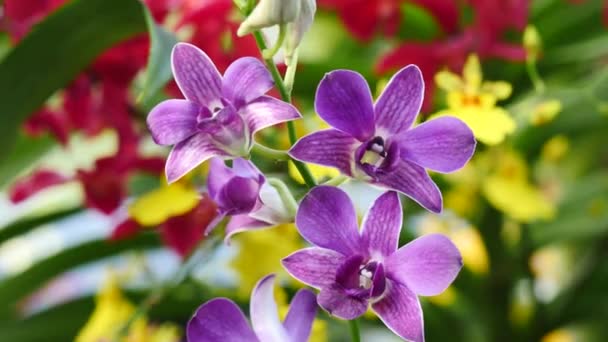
{"x":353,"y":269}
{"x":220,"y":115}
{"x":243,"y":193}
{"x":221,"y":320}
{"x":376,"y":142}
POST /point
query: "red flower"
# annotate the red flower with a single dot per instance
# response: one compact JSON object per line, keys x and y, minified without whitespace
{"x":40,"y":180}
{"x":364,"y":18}
{"x":183,"y":233}
{"x":21,"y":15}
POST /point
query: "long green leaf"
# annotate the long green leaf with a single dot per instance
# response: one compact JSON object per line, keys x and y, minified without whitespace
{"x":56,"y":51}
{"x":16,"y":288}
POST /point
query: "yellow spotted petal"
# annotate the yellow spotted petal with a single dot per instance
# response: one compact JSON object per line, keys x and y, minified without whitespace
{"x":499,"y":89}
{"x":472,"y":74}
{"x":161,"y":204}
{"x":518,"y":199}
{"x":112,"y":310}
{"x":489,"y":126}
{"x":449,"y":81}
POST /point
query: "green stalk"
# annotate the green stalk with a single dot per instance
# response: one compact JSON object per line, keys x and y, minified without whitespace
{"x":285,"y":96}
{"x":269,"y":153}
{"x":355,"y":335}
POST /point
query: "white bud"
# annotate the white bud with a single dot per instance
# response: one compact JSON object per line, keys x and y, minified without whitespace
{"x":269,"y":13}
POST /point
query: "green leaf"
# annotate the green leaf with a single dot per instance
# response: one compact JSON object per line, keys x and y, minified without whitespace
{"x":158,"y":72}
{"x":24,"y":153}
{"x":12,"y":290}
{"x":27,"y":224}
{"x":55,"y":52}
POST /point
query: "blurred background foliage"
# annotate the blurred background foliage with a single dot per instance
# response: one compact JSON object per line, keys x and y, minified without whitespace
{"x":529,"y":213}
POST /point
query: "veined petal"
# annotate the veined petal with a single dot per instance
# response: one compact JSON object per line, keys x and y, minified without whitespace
{"x":400,"y":102}
{"x":267,"y":111}
{"x":189,"y":154}
{"x":382,"y":224}
{"x":241,"y":223}
{"x":427,"y":265}
{"x":444,"y":144}
{"x":300,"y":316}
{"x":264,"y":313}
{"x":245,"y":80}
{"x":219,"y":320}
{"x":314,"y":266}
{"x":338,"y":303}
{"x":219,"y":174}
{"x":196,"y":75}
{"x":401,"y":312}
{"x":245,"y":168}
{"x":413,"y":181}
{"x":173,"y":121}
{"x":344,"y":101}
{"x":327,"y":218}
{"x":328,"y":148}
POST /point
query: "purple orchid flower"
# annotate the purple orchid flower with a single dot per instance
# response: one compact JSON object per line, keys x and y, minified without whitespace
{"x":376,"y":142}
{"x":221,"y":320}
{"x":353,"y":270}
{"x":243,"y":193}
{"x":219,"y":115}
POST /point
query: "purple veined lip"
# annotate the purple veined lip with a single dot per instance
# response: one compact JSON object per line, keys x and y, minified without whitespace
{"x":220,"y":113}
{"x":378,"y":142}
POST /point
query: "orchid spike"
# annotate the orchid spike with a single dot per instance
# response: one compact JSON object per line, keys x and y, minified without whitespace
{"x":221,"y":320}
{"x":354,"y":269}
{"x":376,"y":141}
{"x":219,"y":115}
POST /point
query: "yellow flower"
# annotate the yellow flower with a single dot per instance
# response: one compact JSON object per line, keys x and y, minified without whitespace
{"x":474,"y":101}
{"x":462,"y":233}
{"x":260,"y":253}
{"x":545,"y":111}
{"x":509,"y":190}
{"x":562,"y":335}
{"x":163,"y":203}
{"x":113,"y":311}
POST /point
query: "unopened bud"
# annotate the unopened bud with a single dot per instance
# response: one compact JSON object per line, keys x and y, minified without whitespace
{"x":268,"y":13}
{"x":532,"y":42}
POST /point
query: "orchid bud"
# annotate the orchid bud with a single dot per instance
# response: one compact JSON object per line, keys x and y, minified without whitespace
{"x":532,"y":42}
{"x":269,"y":13}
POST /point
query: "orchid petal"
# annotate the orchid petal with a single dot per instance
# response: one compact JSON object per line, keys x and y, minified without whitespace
{"x":267,"y":111}
{"x":401,"y":312}
{"x":327,"y":218}
{"x":173,"y":121}
{"x":338,"y":303}
{"x":382,"y":224}
{"x":314,"y":266}
{"x":427,"y":265}
{"x":344,"y":101}
{"x":219,"y":320}
{"x":329,"y":148}
{"x":245,"y":80}
{"x":400,"y":103}
{"x":264,"y":314}
{"x":241,"y":223}
{"x":301,"y":314}
{"x":444,"y":144}
{"x":189,"y":154}
{"x":413,"y":181}
{"x":196,"y":75}
{"x":219,"y":175}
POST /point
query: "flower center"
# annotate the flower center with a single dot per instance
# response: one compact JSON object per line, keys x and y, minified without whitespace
{"x":376,"y":156}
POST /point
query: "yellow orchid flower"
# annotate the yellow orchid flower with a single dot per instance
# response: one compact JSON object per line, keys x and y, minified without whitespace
{"x":473,"y":101}
{"x":509,"y":190}
{"x":112,"y":311}
{"x":158,"y":205}
{"x":462,"y":233}
{"x":260,"y":253}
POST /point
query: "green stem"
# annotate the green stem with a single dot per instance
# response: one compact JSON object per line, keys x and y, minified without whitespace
{"x":355,"y":334}
{"x":157,"y":294}
{"x":336,"y":180}
{"x":537,"y":81}
{"x":286,"y":195}
{"x":269,"y":53}
{"x":285,"y":96}
{"x":269,"y":153}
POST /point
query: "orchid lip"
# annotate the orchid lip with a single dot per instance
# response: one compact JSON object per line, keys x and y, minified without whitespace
{"x":376,"y":155}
